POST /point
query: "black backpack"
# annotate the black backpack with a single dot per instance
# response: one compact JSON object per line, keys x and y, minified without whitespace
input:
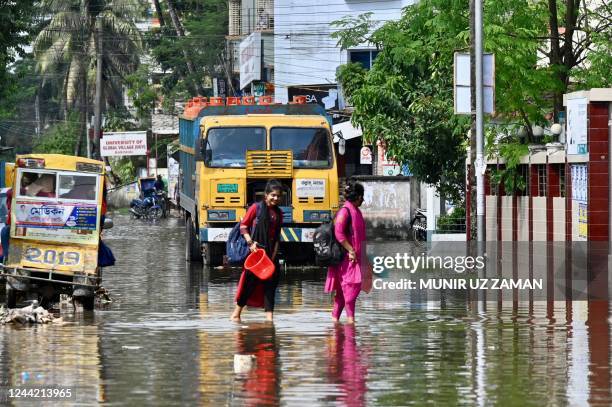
{"x":328,"y":251}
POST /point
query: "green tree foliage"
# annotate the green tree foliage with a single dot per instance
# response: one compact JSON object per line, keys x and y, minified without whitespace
{"x":60,"y":138}
{"x":143,"y":94}
{"x":16,"y":24}
{"x":405,"y":100}
{"x":205,"y":25}
{"x":67,"y":48}
{"x":66,"y":44}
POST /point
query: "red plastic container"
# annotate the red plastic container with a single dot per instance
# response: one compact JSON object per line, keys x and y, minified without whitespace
{"x":260,"y":264}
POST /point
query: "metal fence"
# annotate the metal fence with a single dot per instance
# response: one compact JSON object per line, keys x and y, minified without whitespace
{"x":448,"y":224}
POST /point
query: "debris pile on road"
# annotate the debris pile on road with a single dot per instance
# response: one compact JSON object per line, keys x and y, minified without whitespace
{"x":33,"y":314}
{"x":103,"y":296}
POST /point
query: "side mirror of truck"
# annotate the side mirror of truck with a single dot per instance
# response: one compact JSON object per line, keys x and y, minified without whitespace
{"x":108,"y":223}
{"x":200,"y":154}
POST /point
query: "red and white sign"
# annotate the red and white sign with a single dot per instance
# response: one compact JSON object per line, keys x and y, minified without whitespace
{"x":365,"y":156}
{"x":124,"y":143}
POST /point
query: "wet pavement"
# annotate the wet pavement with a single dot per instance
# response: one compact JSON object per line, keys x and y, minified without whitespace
{"x":166,"y":340}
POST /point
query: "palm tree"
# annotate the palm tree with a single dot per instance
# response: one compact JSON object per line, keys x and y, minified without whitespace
{"x":72,"y":37}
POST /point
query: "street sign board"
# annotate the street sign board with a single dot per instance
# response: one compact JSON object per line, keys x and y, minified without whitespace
{"x":118,"y":144}
{"x":462,"y":80}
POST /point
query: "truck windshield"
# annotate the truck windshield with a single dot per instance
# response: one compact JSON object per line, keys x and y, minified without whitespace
{"x":310,"y":146}
{"x":227,"y":146}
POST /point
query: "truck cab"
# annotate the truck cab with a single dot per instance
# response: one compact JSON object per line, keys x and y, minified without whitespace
{"x":236,"y":154}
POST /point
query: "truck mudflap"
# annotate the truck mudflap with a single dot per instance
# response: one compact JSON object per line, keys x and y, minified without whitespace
{"x":288,"y":234}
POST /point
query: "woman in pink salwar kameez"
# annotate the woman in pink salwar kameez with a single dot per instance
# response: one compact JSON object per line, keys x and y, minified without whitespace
{"x":353,"y":274}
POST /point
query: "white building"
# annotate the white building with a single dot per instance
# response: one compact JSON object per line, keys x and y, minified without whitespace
{"x":305,"y":54}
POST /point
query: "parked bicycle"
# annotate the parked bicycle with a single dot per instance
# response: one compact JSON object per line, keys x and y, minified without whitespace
{"x":418,"y":226}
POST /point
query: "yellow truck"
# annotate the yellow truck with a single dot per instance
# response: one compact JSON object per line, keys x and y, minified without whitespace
{"x":227,"y":154}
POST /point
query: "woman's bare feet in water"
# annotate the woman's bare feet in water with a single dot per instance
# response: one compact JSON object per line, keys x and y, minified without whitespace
{"x":269,"y":316}
{"x":350,"y":320}
{"x":236,"y":314}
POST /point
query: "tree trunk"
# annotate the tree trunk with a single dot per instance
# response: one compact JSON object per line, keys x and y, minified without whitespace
{"x":555,"y":54}
{"x":82,"y":115}
{"x":567,"y":52}
{"x":180,"y":32}
{"x":158,"y":11}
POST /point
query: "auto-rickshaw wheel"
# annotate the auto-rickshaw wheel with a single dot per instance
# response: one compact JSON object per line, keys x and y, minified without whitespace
{"x":11,"y":297}
{"x":86,"y":302}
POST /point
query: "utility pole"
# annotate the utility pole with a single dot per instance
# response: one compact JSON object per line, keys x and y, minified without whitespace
{"x":98,"y":101}
{"x":37,"y":112}
{"x":480,"y":163}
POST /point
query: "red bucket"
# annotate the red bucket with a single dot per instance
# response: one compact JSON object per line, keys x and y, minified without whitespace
{"x":260,"y":264}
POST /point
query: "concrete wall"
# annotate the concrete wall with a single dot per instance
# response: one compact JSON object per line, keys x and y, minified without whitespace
{"x":388,"y":206}
{"x":304,"y":51}
{"x":559,"y":219}
{"x":522,"y":223}
{"x":122,"y":196}
{"x":506,"y":221}
{"x":491,"y":217}
{"x":539,"y":219}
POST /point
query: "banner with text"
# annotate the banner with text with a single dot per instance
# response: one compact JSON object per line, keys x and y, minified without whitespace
{"x":53,"y":221}
{"x":123,"y":143}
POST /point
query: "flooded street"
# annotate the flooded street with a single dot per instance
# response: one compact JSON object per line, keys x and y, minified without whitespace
{"x":166,"y":340}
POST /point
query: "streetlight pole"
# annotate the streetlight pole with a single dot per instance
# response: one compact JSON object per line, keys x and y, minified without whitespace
{"x":480,"y":163}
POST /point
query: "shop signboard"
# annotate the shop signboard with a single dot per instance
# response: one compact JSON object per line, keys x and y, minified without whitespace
{"x":324,"y":95}
{"x":250,"y":59}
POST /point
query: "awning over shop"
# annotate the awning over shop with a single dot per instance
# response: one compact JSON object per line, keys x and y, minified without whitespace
{"x":347,"y":129}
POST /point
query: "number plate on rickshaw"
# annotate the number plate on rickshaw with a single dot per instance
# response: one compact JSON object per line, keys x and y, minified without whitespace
{"x":57,"y":258}
{"x":52,"y":257}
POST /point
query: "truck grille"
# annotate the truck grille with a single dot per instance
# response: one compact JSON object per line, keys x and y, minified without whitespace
{"x":269,"y":164}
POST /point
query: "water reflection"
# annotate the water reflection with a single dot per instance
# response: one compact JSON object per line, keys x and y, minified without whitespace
{"x":347,"y":365}
{"x":54,"y":356}
{"x":262,"y":384}
{"x":167,"y":340}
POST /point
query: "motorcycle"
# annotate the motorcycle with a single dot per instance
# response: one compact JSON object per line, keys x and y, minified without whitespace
{"x":418,"y":226}
{"x":147,"y":208}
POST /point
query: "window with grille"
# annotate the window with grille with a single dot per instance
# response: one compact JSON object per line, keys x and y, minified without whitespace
{"x":264,"y":15}
{"x":542,"y":180}
{"x":234,"y":17}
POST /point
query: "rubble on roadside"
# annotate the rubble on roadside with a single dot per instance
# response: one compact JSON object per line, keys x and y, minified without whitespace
{"x":32,"y":314}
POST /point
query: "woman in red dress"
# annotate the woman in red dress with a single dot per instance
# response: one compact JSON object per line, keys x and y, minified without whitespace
{"x":261,"y":230}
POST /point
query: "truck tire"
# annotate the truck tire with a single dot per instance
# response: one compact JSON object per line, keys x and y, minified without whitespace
{"x":193,"y":251}
{"x":212,"y":254}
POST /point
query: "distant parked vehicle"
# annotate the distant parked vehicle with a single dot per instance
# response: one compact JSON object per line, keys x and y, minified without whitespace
{"x":418,"y":226}
{"x":147,"y":208}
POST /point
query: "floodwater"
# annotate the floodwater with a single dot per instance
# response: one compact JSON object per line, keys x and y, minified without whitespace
{"x":166,"y":340}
